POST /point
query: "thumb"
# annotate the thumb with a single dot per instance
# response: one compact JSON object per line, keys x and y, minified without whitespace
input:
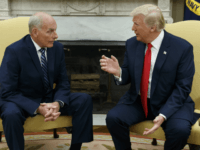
{"x":114,"y":58}
{"x":155,"y":120}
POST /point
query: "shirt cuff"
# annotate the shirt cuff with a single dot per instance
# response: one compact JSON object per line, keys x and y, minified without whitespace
{"x":163,"y":116}
{"x":61,"y":103}
{"x":119,"y":79}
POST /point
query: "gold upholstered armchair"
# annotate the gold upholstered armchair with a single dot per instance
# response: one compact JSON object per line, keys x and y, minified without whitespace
{"x":12,"y":30}
{"x":190,"y":31}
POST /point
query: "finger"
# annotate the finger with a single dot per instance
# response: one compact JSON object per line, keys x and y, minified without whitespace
{"x":43,"y":104}
{"x":102,"y":60}
{"x":48,"y":113}
{"x":56,"y":114}
{"x":152,"y":130}
{"x":148,"y":132}
{"x":55,"y":117}
{"x":48,"y":119}
{"x":104,"y":68}
{"x":114,"y":58}
{"x":103,"y":56}
{"x":103,"y":64}
{"x":145,"y":130}
{"x":56,"y":111}
{"x":51,"y":107}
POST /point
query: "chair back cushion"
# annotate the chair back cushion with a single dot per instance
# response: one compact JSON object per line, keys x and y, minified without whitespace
{"x":190,"y":31}
{"x":12,"y":30}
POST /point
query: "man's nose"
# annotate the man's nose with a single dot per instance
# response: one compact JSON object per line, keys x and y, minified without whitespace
{"x":55,"y":35}
{"x":133,"y":27}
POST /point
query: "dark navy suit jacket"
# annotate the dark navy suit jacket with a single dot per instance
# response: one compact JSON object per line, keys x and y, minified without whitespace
{"x":172,"y":76}
{"x":22,"y":80}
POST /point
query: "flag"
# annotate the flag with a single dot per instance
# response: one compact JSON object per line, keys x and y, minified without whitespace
{"x":192,"y":10}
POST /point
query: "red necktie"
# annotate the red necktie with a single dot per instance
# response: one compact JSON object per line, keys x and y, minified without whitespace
{"x":145,"y":79}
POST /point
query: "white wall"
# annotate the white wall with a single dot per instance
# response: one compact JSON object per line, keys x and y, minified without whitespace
{"x":12,"y":8}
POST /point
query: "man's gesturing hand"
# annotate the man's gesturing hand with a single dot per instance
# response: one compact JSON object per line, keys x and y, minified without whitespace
{"x":110,"y":65}
{"x":157,"y":123}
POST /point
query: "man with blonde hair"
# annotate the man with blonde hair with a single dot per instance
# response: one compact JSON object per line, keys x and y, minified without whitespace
{"x":29,"y":69}
{"x":160,"y":68}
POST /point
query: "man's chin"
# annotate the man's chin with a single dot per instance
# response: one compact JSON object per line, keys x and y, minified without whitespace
{"x":138,"y":38}
{"x":50,"y":46}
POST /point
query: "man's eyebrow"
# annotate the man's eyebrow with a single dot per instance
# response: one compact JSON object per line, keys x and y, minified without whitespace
{"x":51,"y":29}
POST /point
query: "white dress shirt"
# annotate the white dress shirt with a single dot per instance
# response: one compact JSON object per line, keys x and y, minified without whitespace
{"x":154,"y":53}
{"x":38,"y":48}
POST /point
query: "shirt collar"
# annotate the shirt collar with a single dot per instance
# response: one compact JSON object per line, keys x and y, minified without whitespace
{"x":37,"y":47}
{"x":157,"y":42}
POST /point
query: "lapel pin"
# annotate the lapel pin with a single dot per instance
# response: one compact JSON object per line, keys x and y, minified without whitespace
{"x":165,"y":52}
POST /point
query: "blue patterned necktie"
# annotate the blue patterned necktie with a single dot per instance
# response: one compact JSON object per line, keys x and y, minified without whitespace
{"x":44,"y":69}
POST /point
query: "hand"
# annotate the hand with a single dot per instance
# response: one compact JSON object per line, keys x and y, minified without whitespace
{"x":52,"y":114}
{"x":110,"y":65}
{"x":157,"y":123}
{"x":43,"y":109}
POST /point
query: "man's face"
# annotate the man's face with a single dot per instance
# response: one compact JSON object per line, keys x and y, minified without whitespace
{"x":140,"y":28}
{"x":47,"y":35}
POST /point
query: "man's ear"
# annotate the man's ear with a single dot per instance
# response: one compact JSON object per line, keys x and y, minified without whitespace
{"x":153,"y":28}
{"x":34,"y":32}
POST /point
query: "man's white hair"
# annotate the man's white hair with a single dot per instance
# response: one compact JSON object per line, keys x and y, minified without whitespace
{"x":35,"y":22}
{"x":153,"y":15}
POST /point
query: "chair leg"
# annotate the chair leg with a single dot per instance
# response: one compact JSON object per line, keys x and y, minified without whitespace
{"x":0,"y":136}
{"x":194,"y":147}
{"x":55,"y":135}
{"x":154,"y":142}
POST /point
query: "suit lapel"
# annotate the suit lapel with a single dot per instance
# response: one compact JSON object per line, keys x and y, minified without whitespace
{"x":34,"y":56}
{"x":51,"y":59}
{"x":161,"y":58}
{"x":139,"y":60}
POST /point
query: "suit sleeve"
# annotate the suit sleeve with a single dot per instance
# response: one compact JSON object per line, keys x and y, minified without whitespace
{"x":62,"y":90}
{"x":125,"y":75}
{"x":183,"y":83}
{"x":9,"y":78}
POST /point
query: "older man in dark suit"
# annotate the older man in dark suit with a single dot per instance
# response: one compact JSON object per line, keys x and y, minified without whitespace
{"x":29,"y":69}
{"x":160,"y":68}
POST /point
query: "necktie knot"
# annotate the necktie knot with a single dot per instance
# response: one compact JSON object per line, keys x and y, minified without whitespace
{"x":42,"y":50}
{"x":149,"y":46}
